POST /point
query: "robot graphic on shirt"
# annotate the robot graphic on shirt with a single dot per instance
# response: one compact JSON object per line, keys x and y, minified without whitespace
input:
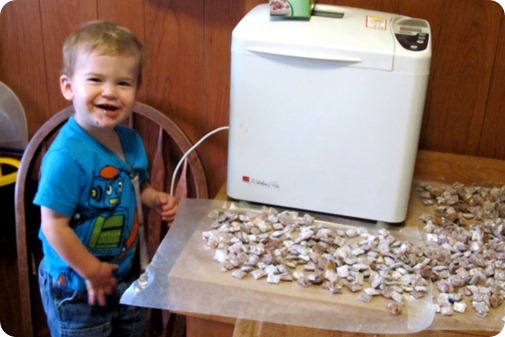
{"x":105,"y":236}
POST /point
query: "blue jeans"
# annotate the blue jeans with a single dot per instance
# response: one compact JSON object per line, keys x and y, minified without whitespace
{"x":69,"y":314}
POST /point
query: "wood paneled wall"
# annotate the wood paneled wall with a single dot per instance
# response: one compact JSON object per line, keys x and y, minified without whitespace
{"x":188,"y":58}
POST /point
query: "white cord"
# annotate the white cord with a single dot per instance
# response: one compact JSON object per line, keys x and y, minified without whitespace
{"x":174,"y":176}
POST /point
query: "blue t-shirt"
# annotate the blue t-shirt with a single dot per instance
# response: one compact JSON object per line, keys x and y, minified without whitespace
{"x":83,"y":179}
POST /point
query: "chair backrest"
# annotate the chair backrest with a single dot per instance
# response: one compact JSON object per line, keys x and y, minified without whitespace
{"x":165,"y":144}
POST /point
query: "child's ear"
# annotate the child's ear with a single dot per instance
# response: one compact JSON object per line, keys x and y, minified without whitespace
{"x":66,"y":87}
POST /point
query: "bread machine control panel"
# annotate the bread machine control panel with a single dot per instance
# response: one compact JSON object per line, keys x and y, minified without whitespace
{"x":413,"y":34}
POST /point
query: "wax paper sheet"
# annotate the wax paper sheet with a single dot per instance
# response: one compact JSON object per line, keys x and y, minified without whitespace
{"x":183,"y":277}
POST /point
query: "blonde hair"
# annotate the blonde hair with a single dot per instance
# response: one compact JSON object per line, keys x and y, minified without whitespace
{"x":104,"y":37}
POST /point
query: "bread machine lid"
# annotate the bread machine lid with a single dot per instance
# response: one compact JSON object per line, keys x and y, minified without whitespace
{"x":351,"y":36}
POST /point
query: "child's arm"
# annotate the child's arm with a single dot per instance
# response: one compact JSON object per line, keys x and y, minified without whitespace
{"x":162,"y":202}
{"x":98,"y":275}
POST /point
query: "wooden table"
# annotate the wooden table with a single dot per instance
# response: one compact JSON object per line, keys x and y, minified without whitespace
{"x":430,"y":166}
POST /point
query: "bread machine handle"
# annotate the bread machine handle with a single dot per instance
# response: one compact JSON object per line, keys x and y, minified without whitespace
{"x":304,"y":54}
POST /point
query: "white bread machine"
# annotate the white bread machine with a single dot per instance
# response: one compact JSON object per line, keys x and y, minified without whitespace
{"x":325,"y":113}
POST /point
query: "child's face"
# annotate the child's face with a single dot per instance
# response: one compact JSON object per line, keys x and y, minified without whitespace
{"x":102,"y":89}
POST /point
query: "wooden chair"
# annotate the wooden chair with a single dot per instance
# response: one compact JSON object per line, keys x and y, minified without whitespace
{"x":165,"y":144}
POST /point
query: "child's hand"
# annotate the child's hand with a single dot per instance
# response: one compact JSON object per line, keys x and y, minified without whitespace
{"x":101,"y":284}
{"x":166,"y":205}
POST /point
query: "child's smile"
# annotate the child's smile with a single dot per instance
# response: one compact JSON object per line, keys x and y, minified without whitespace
{"x":103,"y":89}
